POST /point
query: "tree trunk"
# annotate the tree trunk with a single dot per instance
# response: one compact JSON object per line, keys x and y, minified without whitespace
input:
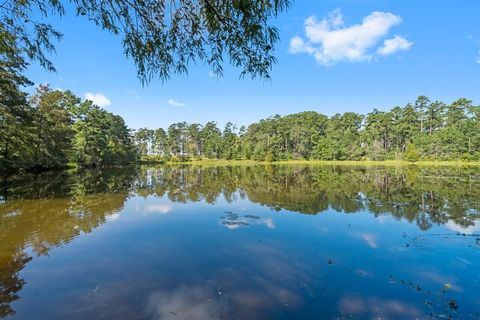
{"x":5,"y":152}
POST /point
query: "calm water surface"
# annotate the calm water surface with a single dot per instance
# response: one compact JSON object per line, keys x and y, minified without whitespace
{"x":247,"y":242}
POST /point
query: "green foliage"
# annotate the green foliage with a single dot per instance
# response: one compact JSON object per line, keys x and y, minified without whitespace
{"x":15,"y":113}
{"x":52,"y":119}
{"x":51,"y":128}
{"x":341,"y":138}
{"x":144,"y":141}
{"x":411,"y":153}
{"x":22,"y":31}
{"x":101,"y":138}
{"x":54,"y":128}
{"x":269,"y":157}
{"x":179,"y":159}
{"x":290,"y":137}
{"x":212,"y":140}
{"x":231,"y":146}
{"x":152,"y":159}
{"x":162,"y":37}
{"x":426,"y":130}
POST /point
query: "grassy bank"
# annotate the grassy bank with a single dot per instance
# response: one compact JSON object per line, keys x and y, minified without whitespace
{"x":210,"y":162}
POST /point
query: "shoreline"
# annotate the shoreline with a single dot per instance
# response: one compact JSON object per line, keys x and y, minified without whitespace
{"x":213,"y":162}
{"x":365,"y":163}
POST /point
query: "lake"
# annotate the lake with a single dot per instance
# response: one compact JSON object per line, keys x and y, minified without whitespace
{"x":242,"y":242}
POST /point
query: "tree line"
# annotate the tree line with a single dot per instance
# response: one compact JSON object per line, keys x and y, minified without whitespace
{"x":423,"y":130}
{"x":54,"y":128}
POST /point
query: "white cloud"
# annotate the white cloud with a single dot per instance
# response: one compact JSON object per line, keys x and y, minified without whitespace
{"x":478,"y":58}
{"x":175,"y":103}
{"x":99,"y":99}
{"x":113,"y":217}
{"x":462,"y":229}
{"x":158,"y":208}
{"x":397,"y":43}
{"x":330,"y":41}
{"x":192,"y":302}
{"x":370,"y":239}
{"x":269,"y":223}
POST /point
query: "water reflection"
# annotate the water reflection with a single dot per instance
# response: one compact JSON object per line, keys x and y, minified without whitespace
{"x":425,"y":196}
{"x":43,"y":211}
{"x":40,"y":212}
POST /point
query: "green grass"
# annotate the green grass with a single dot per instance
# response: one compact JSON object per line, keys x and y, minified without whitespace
{"x":210,"y":162}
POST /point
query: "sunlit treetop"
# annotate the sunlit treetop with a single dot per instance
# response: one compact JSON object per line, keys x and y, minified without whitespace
{"x":163,"y":37}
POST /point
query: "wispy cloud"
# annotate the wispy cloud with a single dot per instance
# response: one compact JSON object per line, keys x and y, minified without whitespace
{"x":396,"y":44}
{"x":113,"y":217}
{"x":134,"y":93}
{"x":99,"y":99}
{"x":476,"y":42}
{"x":462,"y":229}
{"x":175,"y":103}
{"x":158,"y":208}
{"x":330,"y":41}
{"x":370,"y":239}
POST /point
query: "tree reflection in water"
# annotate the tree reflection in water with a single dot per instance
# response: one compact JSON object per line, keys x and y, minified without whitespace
{"x":48,"y":210}
{"x":426,"y":196}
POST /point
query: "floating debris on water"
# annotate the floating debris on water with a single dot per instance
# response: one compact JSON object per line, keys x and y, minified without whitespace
{"x":453,"y":304}
{"x":235,"y":223}
{"x":446,"y":287}
{"x":233,"y":220}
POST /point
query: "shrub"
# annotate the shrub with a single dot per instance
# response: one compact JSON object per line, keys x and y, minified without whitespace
{"x":270,"y":157}
{"x":411,"y":153}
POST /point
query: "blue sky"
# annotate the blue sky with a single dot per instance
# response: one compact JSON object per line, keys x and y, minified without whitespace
{"x":350,"y":55}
